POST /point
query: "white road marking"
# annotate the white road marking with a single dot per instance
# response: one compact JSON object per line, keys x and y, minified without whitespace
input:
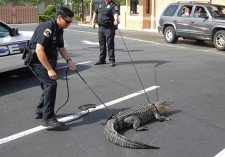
{"x":39,"y":128}
{"x":164,"y":44}
{"x":62,"y":67}
{"x":221,"y":154}
{"x":89,"y":42}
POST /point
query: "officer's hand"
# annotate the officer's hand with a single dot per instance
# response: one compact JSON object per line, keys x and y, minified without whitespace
{"x":52,"y":74}
{"x":71,"y":65}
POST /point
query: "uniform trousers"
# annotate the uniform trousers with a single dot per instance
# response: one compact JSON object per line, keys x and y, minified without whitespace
{"x":106,"y":36}
{"x":46,"y":102}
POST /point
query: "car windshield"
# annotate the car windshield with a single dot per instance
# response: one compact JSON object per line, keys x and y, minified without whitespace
{"x":217,"y":10}
{"x":3,"y":32}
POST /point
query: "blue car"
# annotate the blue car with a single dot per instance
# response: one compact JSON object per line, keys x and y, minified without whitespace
{"x":12,"y":44}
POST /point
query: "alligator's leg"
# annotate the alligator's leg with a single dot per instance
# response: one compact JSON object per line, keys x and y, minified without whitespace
{"x":135,"y":121}
{"x":159,"y":117}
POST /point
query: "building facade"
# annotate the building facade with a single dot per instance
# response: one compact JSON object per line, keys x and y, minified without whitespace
{"x":145,"y":14}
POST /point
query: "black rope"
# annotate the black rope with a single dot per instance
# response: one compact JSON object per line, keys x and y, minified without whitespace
{"x":134,"y":67}
{"x":68,"y":91}
{"x":157,"y":93}
{"x":91,"y":90}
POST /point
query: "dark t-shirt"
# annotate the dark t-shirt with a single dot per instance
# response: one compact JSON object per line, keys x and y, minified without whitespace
{"x":105,"y":13}
{"x":50,"y":37}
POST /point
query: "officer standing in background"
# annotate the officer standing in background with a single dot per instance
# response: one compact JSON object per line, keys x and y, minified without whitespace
{"x":107,"y":13}
{"x":47,"y":40}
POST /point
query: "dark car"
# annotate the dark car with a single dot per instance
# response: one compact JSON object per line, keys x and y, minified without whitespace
{"x":12,"y":44}
{"x":192,"y":20}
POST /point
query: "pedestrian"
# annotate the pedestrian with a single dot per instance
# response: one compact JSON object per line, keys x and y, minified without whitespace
{"x":107,"y":16}
{"x":47,"y":41}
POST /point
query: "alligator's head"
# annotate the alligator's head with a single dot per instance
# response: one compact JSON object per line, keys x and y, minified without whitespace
{"x":163,"y":106}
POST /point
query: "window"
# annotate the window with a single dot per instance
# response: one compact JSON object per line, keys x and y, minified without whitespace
{"x":170,"y":11}
{"x":148,"y":7}
{"x":3,"y":32}
{"x":217,"y":10}
{"x":185,"y":11}
{"x":200,"y":12}
{"x":134,"y":6}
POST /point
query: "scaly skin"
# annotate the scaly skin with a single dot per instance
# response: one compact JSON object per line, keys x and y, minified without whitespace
{"x":135,"y":116}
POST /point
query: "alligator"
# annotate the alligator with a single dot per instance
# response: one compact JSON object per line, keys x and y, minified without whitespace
{"x":135,"y":117}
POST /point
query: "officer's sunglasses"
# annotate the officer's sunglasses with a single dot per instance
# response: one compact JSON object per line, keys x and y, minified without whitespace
{"x":68,"y":22}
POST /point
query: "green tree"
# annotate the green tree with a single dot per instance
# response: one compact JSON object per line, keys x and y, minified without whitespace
{"x":57,"y":3}
{"x":4,"y":2}
{"x":18,"y":2}
{"x":35,"y":2}
{"x":121,"y":2}
{"x":49,"y":13}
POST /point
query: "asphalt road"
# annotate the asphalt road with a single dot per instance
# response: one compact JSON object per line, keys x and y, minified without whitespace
{"x":190,"y":74}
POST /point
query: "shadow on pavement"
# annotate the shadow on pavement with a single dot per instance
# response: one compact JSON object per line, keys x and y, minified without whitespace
{"x":93,"y":117}
{"x":156,"y":62}
{"x":15,"y":81}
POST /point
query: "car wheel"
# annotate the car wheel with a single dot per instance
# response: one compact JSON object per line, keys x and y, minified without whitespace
{"x":219,"y":40}
{"x":170,"y":35}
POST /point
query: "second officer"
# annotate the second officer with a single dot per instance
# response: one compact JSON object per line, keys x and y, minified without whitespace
{"x":107,"y":15}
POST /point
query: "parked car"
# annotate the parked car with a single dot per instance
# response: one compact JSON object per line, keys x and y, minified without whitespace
{"x":193,"y":20}
{"x":12,"y":44}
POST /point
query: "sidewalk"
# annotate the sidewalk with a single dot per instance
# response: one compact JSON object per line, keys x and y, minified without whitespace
{"x":144,"y":30}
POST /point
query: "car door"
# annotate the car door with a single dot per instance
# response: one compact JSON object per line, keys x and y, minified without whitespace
{"x":11,"y":47}
{"x":182,"y":21}
{"x":199,"y":24}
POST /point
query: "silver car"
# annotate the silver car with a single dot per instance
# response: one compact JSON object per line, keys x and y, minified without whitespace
{"x":12,"y":44}
{"x":192,"y":20}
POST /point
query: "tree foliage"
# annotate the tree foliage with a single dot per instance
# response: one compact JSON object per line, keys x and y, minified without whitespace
{"x":49,"y":13}
{"x":35,"y":2}
{"x":4,"y":2}
{"x":57,"y":3}
{"x":121,"y":2}
{"x":19,"y":2}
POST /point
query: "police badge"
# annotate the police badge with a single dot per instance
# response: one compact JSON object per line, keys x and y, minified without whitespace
{"x":47,"y":33}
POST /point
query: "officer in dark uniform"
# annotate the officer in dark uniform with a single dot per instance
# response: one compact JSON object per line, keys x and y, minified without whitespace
{"x":107,"y":14}
{"x":47,"y":41}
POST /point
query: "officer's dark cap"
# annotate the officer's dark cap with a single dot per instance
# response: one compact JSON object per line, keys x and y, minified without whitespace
{"x":65,"y":12}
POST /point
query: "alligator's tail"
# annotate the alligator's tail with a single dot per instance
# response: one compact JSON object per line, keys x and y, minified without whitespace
{"x":113,"y":136}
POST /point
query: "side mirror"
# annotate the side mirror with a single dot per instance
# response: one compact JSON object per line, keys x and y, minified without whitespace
{"x":14,"y":32}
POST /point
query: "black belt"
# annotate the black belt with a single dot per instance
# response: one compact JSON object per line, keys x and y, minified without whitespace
{"x":106,"y":27}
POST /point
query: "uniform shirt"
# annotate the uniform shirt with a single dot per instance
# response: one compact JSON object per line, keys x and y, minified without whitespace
{"x":50,"y":37}
{"x":105,"y":13}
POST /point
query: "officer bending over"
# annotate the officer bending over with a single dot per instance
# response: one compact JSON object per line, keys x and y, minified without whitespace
{"x":47,"y":40}
{"x":107,"y":13}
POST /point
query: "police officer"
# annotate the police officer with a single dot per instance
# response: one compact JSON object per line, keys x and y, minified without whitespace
{"x":47,"y":41}
{"x":107,"y":14}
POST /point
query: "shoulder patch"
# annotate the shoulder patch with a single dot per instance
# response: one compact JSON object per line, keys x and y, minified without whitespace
{"x":47,"y":32}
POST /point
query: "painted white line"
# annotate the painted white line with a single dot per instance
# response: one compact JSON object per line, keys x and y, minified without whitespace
{"x":123,"y":98}
{"x":180,"y":47}
{"x":221,"y":154}
{"x":89,"y":42}
{"x":62,"y":67}
{"x":39,"y":128}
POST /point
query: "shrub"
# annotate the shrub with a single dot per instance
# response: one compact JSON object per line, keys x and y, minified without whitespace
{"x":49,"y":13}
